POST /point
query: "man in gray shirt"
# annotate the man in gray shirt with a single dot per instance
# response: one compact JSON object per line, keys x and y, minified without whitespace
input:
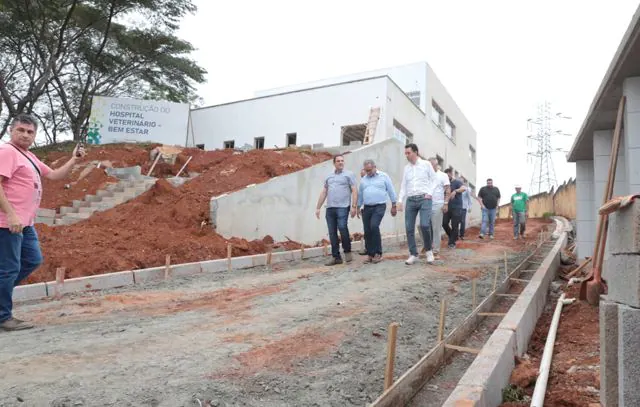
{"x":342,"y":196}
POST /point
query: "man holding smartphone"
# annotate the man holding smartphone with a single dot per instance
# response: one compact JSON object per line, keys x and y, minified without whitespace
{"x":20,"y":195}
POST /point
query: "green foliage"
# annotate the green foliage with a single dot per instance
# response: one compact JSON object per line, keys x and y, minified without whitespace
{"x":55,"y":55}
{"x":512,"y":393}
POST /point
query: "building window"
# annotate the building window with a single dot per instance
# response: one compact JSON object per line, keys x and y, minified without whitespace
{"x":353,"y":134}
{"x":450,"y":129}
{"x":292,"y":139}
{"x":258,"y":143}
{"x":437,"y":114}
{"x":401,"y":133}
{"x":415,"y":97}
{"x":229,"y":144}
{"x":472,"y":153}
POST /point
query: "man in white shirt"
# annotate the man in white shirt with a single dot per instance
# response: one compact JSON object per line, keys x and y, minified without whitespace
{"x":441,"y":193}
{"x":417,"y":186}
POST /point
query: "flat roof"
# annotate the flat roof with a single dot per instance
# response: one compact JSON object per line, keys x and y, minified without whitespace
{"x":603,"y":110}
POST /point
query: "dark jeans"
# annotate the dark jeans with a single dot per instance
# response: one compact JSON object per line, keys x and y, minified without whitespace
{"x":452,"y":216}
{"x":463,"y":223}
{"x":19,"y":256}
{"x":372,"y":217}
{"x":415,"y":205}
{"x":337,"y":219}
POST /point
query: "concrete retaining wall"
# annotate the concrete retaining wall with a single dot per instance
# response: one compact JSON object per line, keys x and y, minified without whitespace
{"x":482,"y":383}
{"x":284,"y":207}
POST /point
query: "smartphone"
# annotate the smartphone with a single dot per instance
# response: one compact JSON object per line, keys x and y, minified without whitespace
{"x":80,"y":145}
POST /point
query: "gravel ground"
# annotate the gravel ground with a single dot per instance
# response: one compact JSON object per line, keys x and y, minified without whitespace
{"x":301,"y":334}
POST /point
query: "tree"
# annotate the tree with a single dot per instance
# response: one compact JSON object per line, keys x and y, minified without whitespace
{"x":57,"y":54}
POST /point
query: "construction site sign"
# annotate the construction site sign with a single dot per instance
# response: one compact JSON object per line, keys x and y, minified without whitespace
{"x":117,"y":120}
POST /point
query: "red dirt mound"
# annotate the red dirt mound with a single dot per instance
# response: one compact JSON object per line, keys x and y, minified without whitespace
{"x":164,"y":220}
{"x":56,"y":194}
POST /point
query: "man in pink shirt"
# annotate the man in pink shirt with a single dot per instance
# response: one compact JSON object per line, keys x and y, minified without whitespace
{"x":20,"y":194}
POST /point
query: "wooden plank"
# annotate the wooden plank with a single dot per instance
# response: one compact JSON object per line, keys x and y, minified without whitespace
{"x":519,"y":280}
{"x":167,"y":266}
{"x":462,"y":349}
{"x":492,"y":314}
{"x":509,"y":295}
{"x":443,"y":313}
{"x":59,"y":281}
{"x":391,"y":355}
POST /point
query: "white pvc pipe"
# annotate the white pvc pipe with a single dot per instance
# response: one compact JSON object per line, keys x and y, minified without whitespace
{"x":537,"y":400}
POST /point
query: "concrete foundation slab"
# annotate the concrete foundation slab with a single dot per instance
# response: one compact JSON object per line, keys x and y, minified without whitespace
{"x":608,"y":353}
{"x":622,"y":273}
{"x":628,"y":356}
{"x":29,"y":292}
{"x":101,"y":282}
{"x":624,"y":230}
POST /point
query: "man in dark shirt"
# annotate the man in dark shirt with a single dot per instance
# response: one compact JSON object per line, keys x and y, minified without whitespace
{"x":453,"y":216}
{"x":489,"y":199}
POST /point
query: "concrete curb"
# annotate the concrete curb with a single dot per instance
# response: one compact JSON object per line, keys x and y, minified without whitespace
{"x":119,"y":279}
{"x":482,"y":383}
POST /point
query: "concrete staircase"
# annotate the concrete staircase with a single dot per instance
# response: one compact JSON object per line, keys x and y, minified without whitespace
{"x":131,"y":184}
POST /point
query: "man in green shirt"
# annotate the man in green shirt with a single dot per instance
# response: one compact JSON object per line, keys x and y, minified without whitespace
{"x":519,"y":211}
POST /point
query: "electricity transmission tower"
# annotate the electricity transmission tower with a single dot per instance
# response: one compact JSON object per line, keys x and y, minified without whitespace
{"x":542,"y":132}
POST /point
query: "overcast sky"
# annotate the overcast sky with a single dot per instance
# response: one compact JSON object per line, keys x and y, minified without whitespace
{"x":497,"y":58}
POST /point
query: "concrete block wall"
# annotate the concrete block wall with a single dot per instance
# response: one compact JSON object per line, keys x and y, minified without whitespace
{"x":620,"y":312}
{"x":631,"y":89}
{"x":586,"y":208}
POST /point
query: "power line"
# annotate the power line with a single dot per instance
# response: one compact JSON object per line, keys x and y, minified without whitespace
{"x":542,"y":133}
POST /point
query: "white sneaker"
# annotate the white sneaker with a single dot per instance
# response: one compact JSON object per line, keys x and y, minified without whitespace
{"x":430,"y":258}
{"x":412,"y":259}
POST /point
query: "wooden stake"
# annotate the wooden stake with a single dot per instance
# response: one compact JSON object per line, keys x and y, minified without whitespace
{"x":301,"y":252}
{"x":59,"y":281}
{"x":473,"y":294}
{"x":229,"y":249}
{"x":184,"y":166}
{"x":154,"y":163}
{"x":326,"y":250}
{"x":443,"y":311}
{"x":391,"y":355}
{"x":506,"y":264}
{"x":269,"y":254}
{"x":462,"y":349}
{"x":167,"y":266}
{"x":495,"y":278}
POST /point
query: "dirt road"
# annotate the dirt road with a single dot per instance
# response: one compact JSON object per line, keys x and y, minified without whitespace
{"x":300,"y":335}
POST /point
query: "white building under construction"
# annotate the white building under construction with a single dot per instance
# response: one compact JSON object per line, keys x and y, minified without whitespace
{"x":406,"y":102}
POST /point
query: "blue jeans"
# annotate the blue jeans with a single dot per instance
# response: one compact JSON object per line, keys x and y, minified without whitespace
{"x":372,"y":217}
{"x":19,"y":256}
{"x":519,"y":223}
{"x":463,"y":223}
{"x":415,"y":205}
{"x":337,"y":219}
{"x":488,"y":217}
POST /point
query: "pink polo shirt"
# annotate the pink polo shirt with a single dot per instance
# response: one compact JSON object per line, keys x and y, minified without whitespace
{"x":21,"y":184}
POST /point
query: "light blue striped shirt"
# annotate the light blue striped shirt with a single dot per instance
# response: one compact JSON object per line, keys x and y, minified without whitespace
{"x":374,"y":189}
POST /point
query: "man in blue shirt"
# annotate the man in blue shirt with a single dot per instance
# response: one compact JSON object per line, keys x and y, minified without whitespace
{"x":341,"y":194}
{"x":374,"y":190}
{"x":454,"y":212}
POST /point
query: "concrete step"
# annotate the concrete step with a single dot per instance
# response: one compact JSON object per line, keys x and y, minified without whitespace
{"x":77,"y":216}
{"x":88,"y":210}
{"x":46,"y":220}
{"x":66,"y":209}
{"x":92,"y":198}
{"x":125,"y":196}
{"x":80,"y":204}
{"x":104,"y":193}
{"x":107,"y":201}
{"x":46,"y":213}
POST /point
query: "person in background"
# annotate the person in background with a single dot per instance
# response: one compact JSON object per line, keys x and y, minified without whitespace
{"x":375,"y":188}
{"x":519,"y":210}
{"x":467,"y":202}
{"x":441,"y":192}
{"x":21,"y":175}
{"x":417,"y":185}
{"x":489,"y":200}
{"x":451,"y":221}
{"x":341,"y":194}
